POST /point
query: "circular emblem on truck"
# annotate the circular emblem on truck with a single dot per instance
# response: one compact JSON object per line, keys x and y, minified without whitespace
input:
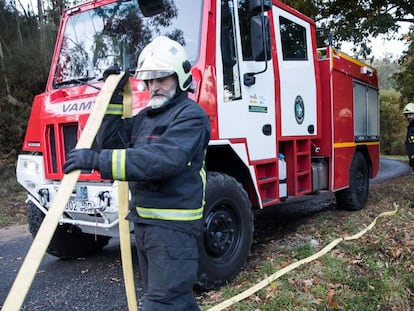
{"x":299,"y":109}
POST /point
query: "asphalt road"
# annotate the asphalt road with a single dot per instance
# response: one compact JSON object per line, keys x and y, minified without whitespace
{"x":96,"y":283}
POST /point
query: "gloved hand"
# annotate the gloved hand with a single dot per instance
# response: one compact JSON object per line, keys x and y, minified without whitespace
{"x":81,"y":159}
{"x":117,"y":98}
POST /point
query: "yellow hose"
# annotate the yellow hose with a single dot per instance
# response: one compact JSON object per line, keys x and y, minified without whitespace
{"x":124,"y":232}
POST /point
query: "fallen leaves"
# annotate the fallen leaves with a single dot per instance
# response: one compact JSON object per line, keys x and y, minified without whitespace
{"x":309,"y":282}
{"x":330,"y":299}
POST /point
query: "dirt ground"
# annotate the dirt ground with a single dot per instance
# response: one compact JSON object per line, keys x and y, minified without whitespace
{"x":12,"y":232}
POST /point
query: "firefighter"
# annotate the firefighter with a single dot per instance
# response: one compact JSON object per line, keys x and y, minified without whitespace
{"x":409,"y":142}
{"x":160,"y":151}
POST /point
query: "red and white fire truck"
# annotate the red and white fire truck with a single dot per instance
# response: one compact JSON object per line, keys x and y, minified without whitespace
{"x":287,"y":119}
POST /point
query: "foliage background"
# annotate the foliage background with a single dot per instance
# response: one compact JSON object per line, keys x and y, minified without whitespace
{"x":27,"y":37}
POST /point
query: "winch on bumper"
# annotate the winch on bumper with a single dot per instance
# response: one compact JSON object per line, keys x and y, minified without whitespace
{"x":93,"y":206}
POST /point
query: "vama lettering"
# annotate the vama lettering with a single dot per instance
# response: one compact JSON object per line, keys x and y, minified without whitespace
{"x":77,"y":107}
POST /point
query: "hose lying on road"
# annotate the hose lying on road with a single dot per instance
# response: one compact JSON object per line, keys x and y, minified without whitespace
{"x":278,"y":274}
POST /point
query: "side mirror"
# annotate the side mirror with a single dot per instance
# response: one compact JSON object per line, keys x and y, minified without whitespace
{"x":151,"y":7}
{"x":260,"y":36}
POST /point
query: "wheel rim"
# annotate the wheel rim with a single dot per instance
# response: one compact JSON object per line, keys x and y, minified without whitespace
{"x":221,"y":232}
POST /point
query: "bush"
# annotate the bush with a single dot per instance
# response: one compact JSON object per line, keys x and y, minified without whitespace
{"x":392,"y":123}
{"x":13,"y":116}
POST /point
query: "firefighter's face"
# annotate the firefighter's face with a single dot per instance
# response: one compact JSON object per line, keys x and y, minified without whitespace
{"x":161,"y":90}
{"x":164,"y":87}
{"x":409,"y":117}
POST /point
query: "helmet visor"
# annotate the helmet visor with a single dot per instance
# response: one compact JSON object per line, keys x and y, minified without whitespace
{"x":152,"y":74}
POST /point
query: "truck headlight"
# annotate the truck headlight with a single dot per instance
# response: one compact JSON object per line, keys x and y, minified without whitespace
{"x":30,"y":171}
{"x":31,"y":166}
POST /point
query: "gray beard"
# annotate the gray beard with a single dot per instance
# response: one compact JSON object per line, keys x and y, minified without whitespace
{"x":157,"y":102}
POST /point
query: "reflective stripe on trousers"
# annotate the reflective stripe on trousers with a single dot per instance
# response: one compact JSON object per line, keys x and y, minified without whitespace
{"x":170,"y":213}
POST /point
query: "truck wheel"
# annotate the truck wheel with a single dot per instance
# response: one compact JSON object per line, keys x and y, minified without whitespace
{"x":69,"y":241}
{"x":355,"y":197}
{"x":227,"y":232}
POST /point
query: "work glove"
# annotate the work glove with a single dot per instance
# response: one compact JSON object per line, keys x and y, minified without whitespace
{"x":117,"y":98}
{"x":76,"y":159}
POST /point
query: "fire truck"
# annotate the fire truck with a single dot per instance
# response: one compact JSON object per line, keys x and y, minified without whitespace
{"x":287,"y":118}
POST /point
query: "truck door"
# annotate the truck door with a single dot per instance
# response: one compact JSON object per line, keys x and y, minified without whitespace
{"x":244,"y":112}
{"x":296,"y":65}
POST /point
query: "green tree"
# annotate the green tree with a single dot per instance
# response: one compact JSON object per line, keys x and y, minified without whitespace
{"x":23,"y":70}
{"x":393,"y":123}
{"x":405,"y":77}
{"x":386,"y":68}
{"x":356,"y":21}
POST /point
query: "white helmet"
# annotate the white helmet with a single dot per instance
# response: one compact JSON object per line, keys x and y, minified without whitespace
{"x":164,"y":57}
{"x":409,"y":108}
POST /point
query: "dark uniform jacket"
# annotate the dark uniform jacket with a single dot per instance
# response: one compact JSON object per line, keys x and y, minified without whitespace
{"x":161,"y":153}
{"x":409,"y":142}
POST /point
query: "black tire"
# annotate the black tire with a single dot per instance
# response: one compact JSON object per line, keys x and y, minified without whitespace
{"x":69,"y":241}
{"x":355,"y":197}
{"x":227,"y":233}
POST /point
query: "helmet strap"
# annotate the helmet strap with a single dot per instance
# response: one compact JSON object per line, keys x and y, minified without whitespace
{"x":186,"y":66}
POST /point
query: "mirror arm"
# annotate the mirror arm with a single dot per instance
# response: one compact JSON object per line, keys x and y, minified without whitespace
{"x":249,"y":78}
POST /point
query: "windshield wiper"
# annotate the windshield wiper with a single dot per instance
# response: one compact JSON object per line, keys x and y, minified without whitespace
{"x":82,"y":81}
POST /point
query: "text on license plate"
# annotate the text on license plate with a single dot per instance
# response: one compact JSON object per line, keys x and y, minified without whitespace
{"x":87,"y":207}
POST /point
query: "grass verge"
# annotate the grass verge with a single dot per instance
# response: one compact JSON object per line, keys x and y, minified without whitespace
{"x":374,"y":272}
{"x":12,"y":198}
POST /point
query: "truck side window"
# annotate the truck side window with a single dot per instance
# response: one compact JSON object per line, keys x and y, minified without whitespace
{"x":293,"y":38}
{"x":231,"y":73}
{"x":244,"y":21}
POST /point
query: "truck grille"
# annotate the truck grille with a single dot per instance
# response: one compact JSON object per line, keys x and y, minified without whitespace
{"x":52,"y":149}
{"x":70,"y":137}
{"x":66,"y":137}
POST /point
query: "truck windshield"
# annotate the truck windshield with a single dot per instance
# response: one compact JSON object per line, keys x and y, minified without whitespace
{"x":116,"y":33}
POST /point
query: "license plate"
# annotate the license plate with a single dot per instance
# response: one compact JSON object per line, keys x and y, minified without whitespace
{"x":86,"y":207}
